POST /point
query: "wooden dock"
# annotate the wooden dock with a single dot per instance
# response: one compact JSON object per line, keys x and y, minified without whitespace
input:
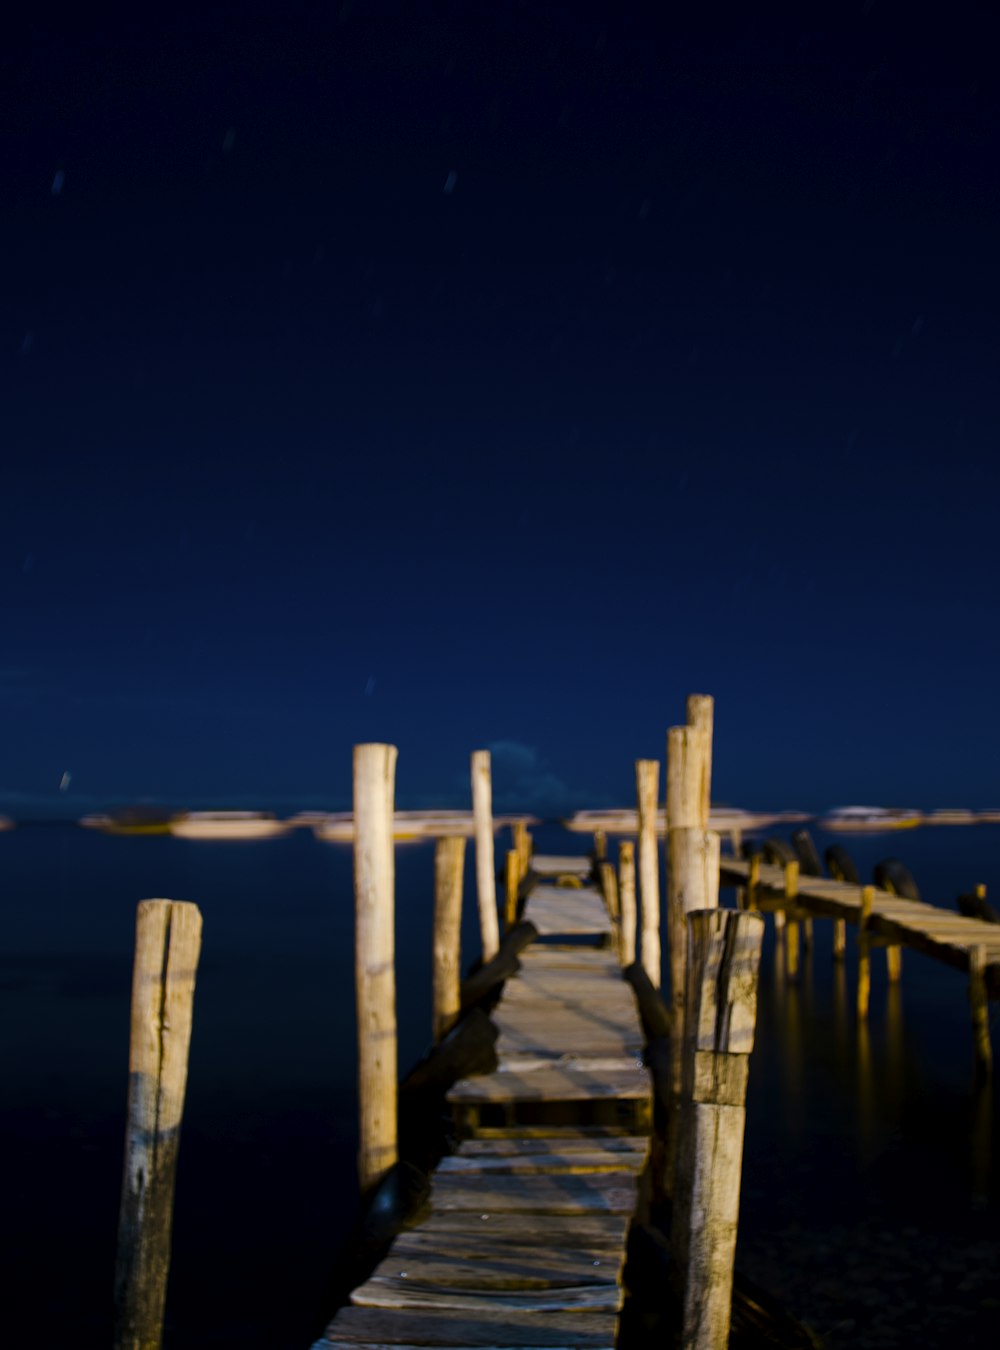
{"x":525,"y":1241}
{"x":941,"y":934}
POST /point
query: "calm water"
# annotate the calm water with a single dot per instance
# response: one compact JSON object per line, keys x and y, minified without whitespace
{"x":840,"y":1128}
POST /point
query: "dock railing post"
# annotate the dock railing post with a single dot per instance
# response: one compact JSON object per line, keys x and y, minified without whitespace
{"x":375,"y":960}
{"x":647,"y":781}
{"x":449,"y":869}
{"x":626,"y":899}
{"x":167,"y":945}
{"x":722,"y":982}
{"x":486,"y":882}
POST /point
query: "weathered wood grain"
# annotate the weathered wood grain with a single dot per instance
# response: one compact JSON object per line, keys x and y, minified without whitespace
{"x":511,"y":1328}
{"x":167,"y":946}
{"x":486,"y":885}
{"x":374,"y":960}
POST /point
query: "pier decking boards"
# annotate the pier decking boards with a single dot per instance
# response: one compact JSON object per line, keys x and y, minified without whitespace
{"x":939,"y":933}
{"x":525,"y":1241}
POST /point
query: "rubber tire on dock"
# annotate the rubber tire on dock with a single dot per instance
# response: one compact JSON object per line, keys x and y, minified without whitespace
{"x":805,"y":849}
{"x":840,"y":865}
{"x":778,"y":852}
{"x":895,"y":877}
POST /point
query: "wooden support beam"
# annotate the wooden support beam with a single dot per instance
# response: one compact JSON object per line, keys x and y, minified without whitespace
{"x":600,"y":845}
{"x":486,"y":882}
{"x":980,"y":1012}
{"x":894,"y":962}
{"x":722,"y":982}
{"x":753,"y":882}
{"x":522,"y":845}
{"x":375,"y":960}
{"x":511,"y":883}
{"x":167,"y":945}
{"x":626,"y":899}
{"x":609,"y":889}
{"x":792,"y":925}
{"x":449,"y":867}
{"x":864,"y":950}
{"x":647,"y":779}
{"x":839,"y":938}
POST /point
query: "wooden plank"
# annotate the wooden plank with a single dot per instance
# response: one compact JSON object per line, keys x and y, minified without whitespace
{"x":575,"y":1083}
{"x":549,"y":864}
{"x":523,"y":1230}
{"x":487,"y":1262}
{"x":599,"y":1193}
{"x":371,"y":1328}
{"x":496,"y":1148}
{"x":394,"y":1292}
{"x":538,"y":1163}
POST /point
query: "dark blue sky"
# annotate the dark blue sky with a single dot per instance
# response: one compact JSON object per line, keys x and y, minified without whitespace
{"x":458,"y":375}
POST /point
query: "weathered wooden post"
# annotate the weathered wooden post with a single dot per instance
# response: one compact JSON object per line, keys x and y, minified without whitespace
{"x":600,"y":845}
{"x":512,"y":880}
{"x":486,"y":882}
{"x":375,"y":960}
{"x":626,"y":899}
{"x":700,"y":716}
{"x":167,"y":945}
{"x":723,"y":969}
{"x":692,"y":881}
{"x":449,"y":868}
{"x":647,"y":780}
{"x":980,"y":1012}
{"x":864,"y":950}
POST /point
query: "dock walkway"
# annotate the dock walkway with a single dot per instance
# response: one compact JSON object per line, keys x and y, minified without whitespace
{"x":525,"y":1241}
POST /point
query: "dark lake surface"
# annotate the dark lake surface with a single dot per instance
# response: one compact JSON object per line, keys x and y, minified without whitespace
{"x":868,"y":1170}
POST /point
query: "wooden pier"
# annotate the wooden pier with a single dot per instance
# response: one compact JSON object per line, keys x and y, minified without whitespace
{"x":883,"y":919}
{"x":525,"y":1241}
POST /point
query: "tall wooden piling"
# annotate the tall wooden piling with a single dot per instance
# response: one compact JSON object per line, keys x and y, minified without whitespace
{"x":486,"y":882}
{"x":721,"y":1015}
{"x":375,"y":959}
{"x":167,"y":945}
{"x":626,"y":900}
{"x":647,"y":779}
{"x":449,"y":868}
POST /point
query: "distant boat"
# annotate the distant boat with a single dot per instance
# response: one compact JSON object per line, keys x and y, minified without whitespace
{"x":131,"y":820}
{"x":870,"y":819}
{"x":950,"y":815}
{"x":228,"y":825}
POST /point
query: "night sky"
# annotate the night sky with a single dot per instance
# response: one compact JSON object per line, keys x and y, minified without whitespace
{"x":497,"y":374}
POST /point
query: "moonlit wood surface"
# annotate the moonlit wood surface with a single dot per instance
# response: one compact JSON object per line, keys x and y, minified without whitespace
{"x":525,"y":1242}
